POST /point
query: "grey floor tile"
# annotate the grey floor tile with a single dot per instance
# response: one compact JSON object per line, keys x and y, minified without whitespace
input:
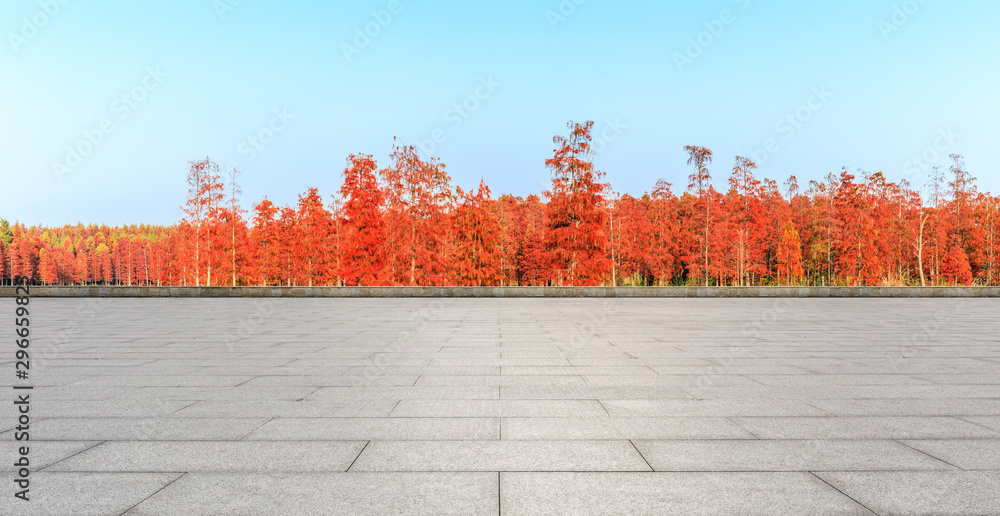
{"x":639,"y":370}
{"x":709,"y":408}
{"x":583,"y":393}
{"x":941,"y":393}
{"x":356,"y":429}
{"x":71,"y":392}
{"x":499,"y":408}
{"x":250,"y":456}
{"x":960,"y":378}
{"x":621,"y":428}
{"x":287,"y":408}
{"x":731,"y":369}
{"x":945,"y":493}
{"x":430,"y":370}
{"x":862,"y":428}
{"x":505,"y":380}
{"x":500,"y":456}
{"x":332,"y":381}
{"x":83,"y":494}
{"x":674,"y":380}
{"x":959,"y":407}
{"x":42,"y":454}
{"x":827,"y":380}
{"x":682,"y":494}
{"x":107,"y":408}
{"x":989,"y":421}
{"x":243,"y":392}
{"x":470,"y":392}
{"x":98,"y":372}
{"x":820,"y":384}
{"x":375,"y":494}
{"x":161,"y":381}
{"x":781,"y":455}
{"x":968,"y":454}
{"x":144,"y":429}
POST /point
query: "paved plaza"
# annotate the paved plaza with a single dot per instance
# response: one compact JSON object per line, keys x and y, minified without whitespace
{"x":539,"y":406}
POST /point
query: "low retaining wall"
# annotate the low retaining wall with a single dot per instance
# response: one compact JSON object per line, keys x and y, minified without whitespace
{"x":182,"y":292}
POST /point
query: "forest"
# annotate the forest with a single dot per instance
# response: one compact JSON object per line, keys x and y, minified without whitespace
{"x":405,"y":224}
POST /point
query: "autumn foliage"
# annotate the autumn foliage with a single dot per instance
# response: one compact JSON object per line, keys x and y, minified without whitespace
{"x":406,"y":224}
{"x":576,"y":214}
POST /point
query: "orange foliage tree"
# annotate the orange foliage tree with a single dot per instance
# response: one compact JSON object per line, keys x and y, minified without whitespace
{"x":476,"y":255}
{"x":404,"y":225}
{"x":364,"y":257}
{"x":418,"y":198}
{"x":577,"y":218}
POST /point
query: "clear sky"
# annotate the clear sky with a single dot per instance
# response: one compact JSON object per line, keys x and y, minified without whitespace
{"x":866,"y":85}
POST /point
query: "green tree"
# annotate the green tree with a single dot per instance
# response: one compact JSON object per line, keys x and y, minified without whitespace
{"x":6,"y":233}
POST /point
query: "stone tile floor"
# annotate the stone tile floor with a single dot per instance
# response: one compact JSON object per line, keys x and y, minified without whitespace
{"x":510,"y":406}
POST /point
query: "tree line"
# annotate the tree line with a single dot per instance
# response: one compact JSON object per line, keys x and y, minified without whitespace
{"x":405,"y":224}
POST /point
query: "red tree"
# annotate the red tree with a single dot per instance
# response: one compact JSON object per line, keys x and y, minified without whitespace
{"x":315,"y":225}
{"x":702,"y":224}
{"x":843,"y":230}
{"x":47,"y":267}
{"x":789,"y":255}
{"x":265,"y":244}
{"x":418,"y":196}
{"x":745,"y":216}
{"x":364,"y":259}
{"x":205,"y":197}
{"x":290,"y":249}
{"x":476,"y":257}
{"x":955,"y":267}
{"x":577,"y":219}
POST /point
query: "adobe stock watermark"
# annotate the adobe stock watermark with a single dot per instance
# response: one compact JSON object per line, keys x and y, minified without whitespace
{"x":924,"y":161}
{"x":122,"y":107}
{"x":929,"y":329}
{"x":252,"y":145}
{"x":564,"y":10}
{"x":457,"y":114}
{"x":901,"y":14}
{"x":750,"y":332}
{"x":790,"y":124}
{"x":32,"y":25}
{"x":248,"y":325}
{"x":714,"y":29}
{"x":86,"y":312}
{"x":224,"y":7}
{"x":376,"y":364}
{"x":595,"y":326}
{"x":612,"y":130}
{"x":363,"y":37}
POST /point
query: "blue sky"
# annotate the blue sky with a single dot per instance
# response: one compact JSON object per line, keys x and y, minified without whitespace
{"x":866,"y":86}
